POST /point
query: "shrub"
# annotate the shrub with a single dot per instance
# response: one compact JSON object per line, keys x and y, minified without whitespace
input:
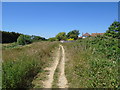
{"x":93,"y":62}
{"x":71,"y":39}
{"x":37,"y":38}
{"x":52,"y":39}
{"x":24,"y":39}
{"x":114,"y":30}
{"x":15,"y":73}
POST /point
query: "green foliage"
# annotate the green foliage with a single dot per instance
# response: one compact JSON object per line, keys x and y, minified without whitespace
{"x":114,"y":30}
{"x":37,"y":38}
{"x":73,"y":34}
{"x":22,"y":64}
{"x":15,"y":73}
{"x":10,"y":45}
{"x":52,"y":39}
{"x":24,"y":39}
{"x":9,"y":37}
{"x":94,"y":62}
{"x":105,"y":45}
{"x":61,"y":36}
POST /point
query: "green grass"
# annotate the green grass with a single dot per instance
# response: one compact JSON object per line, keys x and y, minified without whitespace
{"x":22,"y":64}
{"x":92,"y":63}
{"x":10,"y":45}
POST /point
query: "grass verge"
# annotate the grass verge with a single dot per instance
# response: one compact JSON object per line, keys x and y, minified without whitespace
{"x":21,"y":64}
{"x":92,"y":63}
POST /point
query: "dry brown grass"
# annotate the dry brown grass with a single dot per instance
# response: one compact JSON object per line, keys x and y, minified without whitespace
{"x":33,"y":57}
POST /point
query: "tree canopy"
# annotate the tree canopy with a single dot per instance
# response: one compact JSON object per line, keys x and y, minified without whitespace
{"x":114,"y":30}
{"x":73,"y":34}
{"x":61,"y":36}
{"x":24,"y":39}
{"x":52,"y":39}
{"x":36,"y":38}
{"x":9,"y":37}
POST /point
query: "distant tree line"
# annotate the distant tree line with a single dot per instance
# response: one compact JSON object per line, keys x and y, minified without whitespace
{"x":63,"y":36}
{"x":21,"y":39}
{"x":26,"y":39}
{"x":9,"y":37}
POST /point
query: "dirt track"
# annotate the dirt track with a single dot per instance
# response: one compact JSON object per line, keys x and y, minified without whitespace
{"x":62,"y":81}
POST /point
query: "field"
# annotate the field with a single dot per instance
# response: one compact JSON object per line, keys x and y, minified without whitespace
{"x":89,"y":63}
{"x":93,"y":63}
{"x":21,"y":64}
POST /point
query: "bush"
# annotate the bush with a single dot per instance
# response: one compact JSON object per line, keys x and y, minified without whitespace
{"x":93,"y":62}
{"x":16,"y":73}
{"x":37,"y":38}
{"x":114,"y":30}
{"x":52,"y":39}
{"x":24,"y":39}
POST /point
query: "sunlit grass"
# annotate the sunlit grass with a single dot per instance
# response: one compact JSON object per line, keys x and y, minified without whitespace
{"x":92,"y":63}
{"x":21,"y":64}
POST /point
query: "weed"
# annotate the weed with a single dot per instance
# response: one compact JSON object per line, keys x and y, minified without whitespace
{"x":92,"y":63}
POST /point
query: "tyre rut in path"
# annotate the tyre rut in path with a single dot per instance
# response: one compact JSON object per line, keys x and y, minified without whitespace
{"x":48,"y":82}
{"x":62,"y":81}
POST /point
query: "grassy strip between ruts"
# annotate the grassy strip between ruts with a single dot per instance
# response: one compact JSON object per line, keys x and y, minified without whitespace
{"x":57,"y":73}
{"x":22,"y":64}
{"x":92,"y":63}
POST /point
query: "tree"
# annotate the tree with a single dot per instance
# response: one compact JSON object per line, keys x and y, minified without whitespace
{"x":9,"y":37}
{"x":52,"y":39}
{"x":37,"y":38}
{"x":114,"y":30}
{"x":24,"y":39}
{"x":73,"y":34}
{"x":61,"y":36}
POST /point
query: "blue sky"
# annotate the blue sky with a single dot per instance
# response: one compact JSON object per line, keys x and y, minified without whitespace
{"x":46,"y":19}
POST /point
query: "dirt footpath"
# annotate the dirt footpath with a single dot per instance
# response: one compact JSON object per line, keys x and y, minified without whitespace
{"x":59,"y":59}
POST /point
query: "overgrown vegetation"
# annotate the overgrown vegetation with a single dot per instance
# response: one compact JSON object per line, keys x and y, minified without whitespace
{"x":93,"y":61}
{"x":24,"y":39}
{"x":23,"y":63}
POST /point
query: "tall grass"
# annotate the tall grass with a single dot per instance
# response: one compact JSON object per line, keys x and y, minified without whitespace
{"x":23,"y":63}
{"x":92,"y":63}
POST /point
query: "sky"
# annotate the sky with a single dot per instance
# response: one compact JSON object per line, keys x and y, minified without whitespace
{"x":60,"y":0}
{"x":47,"y":19}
